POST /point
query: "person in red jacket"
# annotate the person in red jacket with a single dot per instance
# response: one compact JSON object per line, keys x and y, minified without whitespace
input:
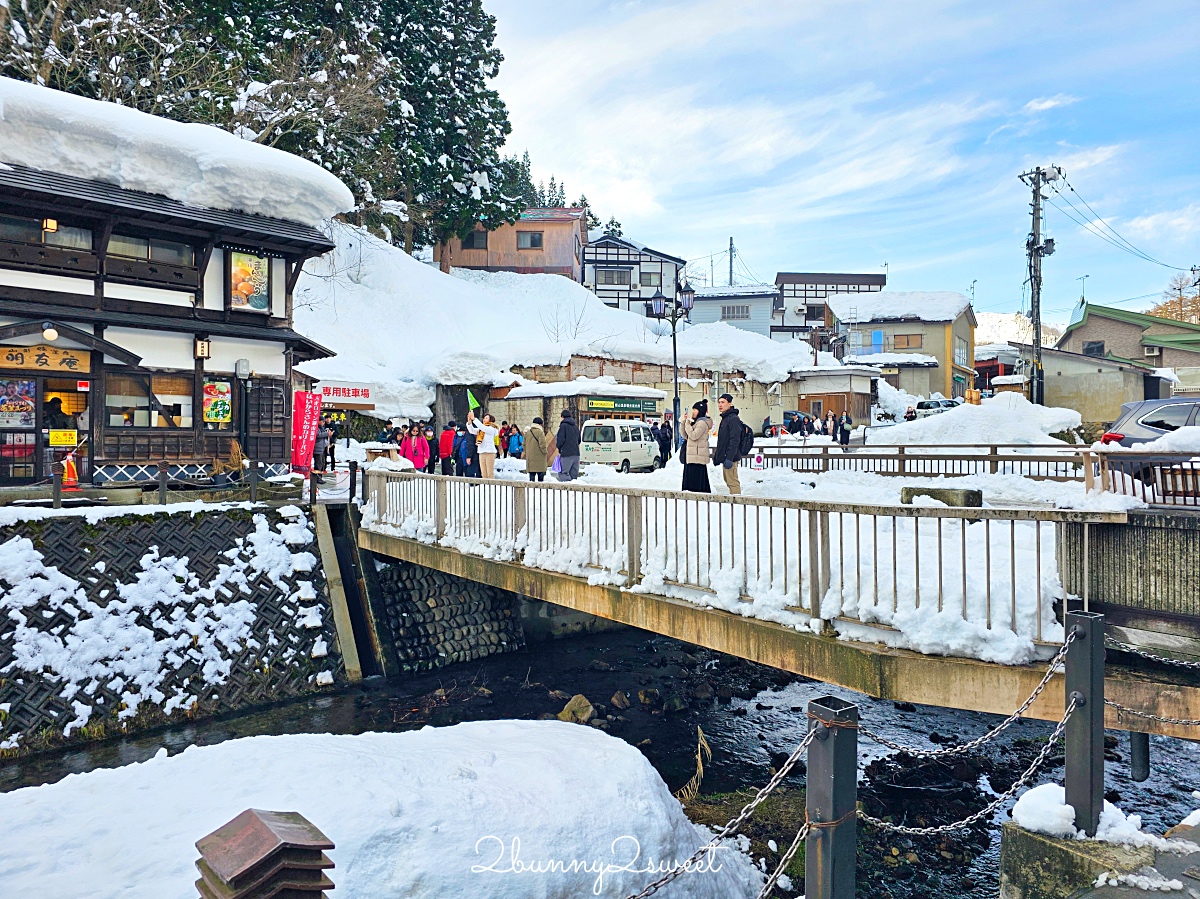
{"x":446,"y":448}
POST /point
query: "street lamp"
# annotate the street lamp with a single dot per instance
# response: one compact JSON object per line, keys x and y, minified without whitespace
{"x":686,"y":298}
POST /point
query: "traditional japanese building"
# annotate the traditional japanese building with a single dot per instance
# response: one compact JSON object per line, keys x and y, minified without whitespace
{"x":135,"y":328}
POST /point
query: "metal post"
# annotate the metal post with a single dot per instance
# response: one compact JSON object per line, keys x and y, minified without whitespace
{"x":832,"y":800}
{"x":353,"y":479}
{"x":633,"y":537}
{"x":994,"y":465}
{"x":56,"y":475}
{"x":903,"y":463}
{"x":1139,"y":756}
{"x":675,"y":381}
{"x":1084,"y":743}
{"x":312,"y":487}
{"x":442,"y":508}
{"x":164,"y":469}
{"x":253,"y":480}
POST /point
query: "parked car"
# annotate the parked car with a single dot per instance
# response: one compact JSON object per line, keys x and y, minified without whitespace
{"x":625,"y":445}
{"x":1148,"y":420}
{"x":926,"y":408}
{"x":774,"y":429}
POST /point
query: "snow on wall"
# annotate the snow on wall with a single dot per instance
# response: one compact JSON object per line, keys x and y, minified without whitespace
{"x":427,"y":814}
{"x":403,"y":325}
{"x":153,"y":614}
{"x":195,"y":164}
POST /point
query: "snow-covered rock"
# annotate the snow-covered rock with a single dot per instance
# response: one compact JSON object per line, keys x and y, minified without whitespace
{"x":429,"y":814}
{"x":195,"y":164}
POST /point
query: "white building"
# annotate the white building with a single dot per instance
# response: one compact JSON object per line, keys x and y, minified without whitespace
{"x":626,"y":274}
{"x":747,"y":307}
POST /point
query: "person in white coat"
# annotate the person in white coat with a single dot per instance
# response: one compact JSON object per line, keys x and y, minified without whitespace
{"x":486,"y":445}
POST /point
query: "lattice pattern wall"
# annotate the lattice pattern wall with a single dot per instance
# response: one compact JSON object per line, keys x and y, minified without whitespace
{"x":286,"y":619}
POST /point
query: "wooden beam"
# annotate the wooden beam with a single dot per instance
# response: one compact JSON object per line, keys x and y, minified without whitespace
{"x":337,"y":594}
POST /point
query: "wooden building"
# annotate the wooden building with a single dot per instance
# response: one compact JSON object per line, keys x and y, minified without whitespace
{"x":626,"y":274}
{"x":134,"y":329}
{"x":542,"y":241}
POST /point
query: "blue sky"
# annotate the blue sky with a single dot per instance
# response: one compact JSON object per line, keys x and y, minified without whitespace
{"x":836,"y":136}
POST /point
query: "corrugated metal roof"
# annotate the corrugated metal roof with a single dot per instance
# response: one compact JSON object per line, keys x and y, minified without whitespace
{"x":829,"y":278}
{"x":553,"y":214}
{"x":100,"y":197}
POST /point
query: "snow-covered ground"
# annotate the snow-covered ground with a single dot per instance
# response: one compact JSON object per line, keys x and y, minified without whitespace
{"x":195,"y":164}
{"x":1004,"y":418}
{"x":430,"y":814}
{"x":1044,"y":809}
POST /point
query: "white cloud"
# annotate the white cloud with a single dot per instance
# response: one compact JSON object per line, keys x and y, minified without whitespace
{"x":1167,"y":225}
{"x":1041,"y":104}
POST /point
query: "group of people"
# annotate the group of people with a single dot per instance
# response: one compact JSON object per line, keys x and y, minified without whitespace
{"x":839,"y":427}
{"x":324,"y":456}
{"x":734,"y":440}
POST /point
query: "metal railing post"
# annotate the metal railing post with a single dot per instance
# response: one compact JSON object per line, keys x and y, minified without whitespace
{"x":56,"y":475}
{"x":519,"y":511}
{"x":164,"y":469}
{"x":1139,"y":756}
{"x":253,"y":480}
{"x":1084,"y":741}
{"x":442,"y":508}
{"x":633,"y":538}
{"x":832,"y":800}
{"x":353,"y":481}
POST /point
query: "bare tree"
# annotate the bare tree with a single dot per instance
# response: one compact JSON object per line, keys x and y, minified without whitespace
{"x":1181,"y":299}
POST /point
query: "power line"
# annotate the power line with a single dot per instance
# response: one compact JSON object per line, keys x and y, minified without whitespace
{"x":1098,"y":226}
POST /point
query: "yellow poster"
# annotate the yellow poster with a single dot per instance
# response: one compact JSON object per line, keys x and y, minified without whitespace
{"x":249,"y":282}
{"x":63,"y":437}
{"x":45,"y":358}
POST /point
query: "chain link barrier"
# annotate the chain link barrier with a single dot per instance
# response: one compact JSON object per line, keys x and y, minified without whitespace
{"x":734,"y":824}
{"x":1126,"y":710}
{"x":990,"y":809}
{"x":801,"y":835}
{"x":1133,"y":650}
{"x":1059,"y":658}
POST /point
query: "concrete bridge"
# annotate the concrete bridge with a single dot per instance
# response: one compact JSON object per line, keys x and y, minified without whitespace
{"x":956,"y":607}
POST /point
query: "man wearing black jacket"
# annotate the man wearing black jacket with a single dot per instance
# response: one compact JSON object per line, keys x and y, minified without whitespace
{"x":729,"y":443}
{"x":566,"y":442}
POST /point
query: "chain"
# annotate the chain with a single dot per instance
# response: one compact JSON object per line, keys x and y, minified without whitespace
{"x":801,"y":834}
{"x":735,"y":824}
{"x":991,"y":808}
{"x":1126,"y":710}
{"x":991,"y":734}
{"x":1125,"y":647}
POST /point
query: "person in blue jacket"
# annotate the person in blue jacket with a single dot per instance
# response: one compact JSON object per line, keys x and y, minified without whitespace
{"x":516,"y":443}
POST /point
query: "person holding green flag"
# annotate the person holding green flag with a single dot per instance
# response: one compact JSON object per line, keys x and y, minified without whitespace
{"x":486,"y":435}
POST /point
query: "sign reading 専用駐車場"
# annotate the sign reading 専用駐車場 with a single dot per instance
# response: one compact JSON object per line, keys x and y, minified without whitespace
{"x":45,"y":358}
{"x":346,"y":394}
{"x":306,"y":415}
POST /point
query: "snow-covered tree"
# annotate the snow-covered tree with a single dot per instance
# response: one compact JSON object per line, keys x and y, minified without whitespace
{"x":613,"y":228}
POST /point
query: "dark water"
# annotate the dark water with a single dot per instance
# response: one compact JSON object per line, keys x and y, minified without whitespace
{"x":750,"y":715}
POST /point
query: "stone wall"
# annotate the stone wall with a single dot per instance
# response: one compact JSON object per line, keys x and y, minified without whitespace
{"x":112,"y":623}
{"x":437,"y":619}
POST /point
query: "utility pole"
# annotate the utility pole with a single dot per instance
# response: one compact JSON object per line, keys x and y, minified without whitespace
{"x":731,"y":252}
{"x":1035,"y":249}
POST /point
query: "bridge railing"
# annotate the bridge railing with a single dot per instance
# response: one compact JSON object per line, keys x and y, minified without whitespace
{"x":1157,"y":479}
{"x":1052,"y":463}
{"x":885,"y":567}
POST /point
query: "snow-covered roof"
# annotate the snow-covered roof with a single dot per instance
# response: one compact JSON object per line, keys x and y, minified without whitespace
{"x":195,"y":164}
{"x":738,"y":290}
{"x":553,"y":214}
{"x":602,"y":386}
{"x":1010,"y":379}
{"x":916,"y":359}
{"x":897,"y":305}
{"x":406,"y":327}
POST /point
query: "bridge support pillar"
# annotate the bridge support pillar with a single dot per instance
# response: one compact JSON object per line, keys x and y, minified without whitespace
{"x":1084,"y":741}
{"x":832,"y":800}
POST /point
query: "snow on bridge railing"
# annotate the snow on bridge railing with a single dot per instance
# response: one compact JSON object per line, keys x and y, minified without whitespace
{"x":1050,"y":463}
{"x":961,"y":581}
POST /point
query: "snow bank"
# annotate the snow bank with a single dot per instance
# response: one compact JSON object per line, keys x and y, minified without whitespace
{"x":1005,"y":418}
{"x":429,"y":814}
{"x":1044,"y":809}
{"x":925,"y":305}
{"x":894,"y":402}
{"x":195,"y":164}
{"x":405,"y":326}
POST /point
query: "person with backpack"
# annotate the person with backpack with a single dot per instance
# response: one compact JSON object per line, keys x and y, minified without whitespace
{"x":446,"y":448}
{"x":516,"y":442}
{"x":734,"y":440}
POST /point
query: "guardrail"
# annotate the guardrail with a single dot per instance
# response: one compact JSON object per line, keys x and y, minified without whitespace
{"x":888,"y":568}
{"x":1157,"y":479}
{"x":1039,"y":463}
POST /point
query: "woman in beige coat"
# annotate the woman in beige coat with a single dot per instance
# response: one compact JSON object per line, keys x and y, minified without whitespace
{"x":696,"y":428}
{"x":537,"y":451}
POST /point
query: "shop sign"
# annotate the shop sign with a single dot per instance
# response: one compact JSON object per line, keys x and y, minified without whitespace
{"x":218,"y":402}
{"x":347,"y":393}
{"x":45,"y":358}
{"x":249,"y":282}
{"x":306,"y":415}
{"x":18,"y":403}
{"x":621,"y":404}
{"x":63,"y":437}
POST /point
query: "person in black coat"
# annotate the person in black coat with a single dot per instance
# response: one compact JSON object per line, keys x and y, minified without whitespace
{"x":666,"y":439}
{"x":566,"y":443}
{"x":729,"y":443}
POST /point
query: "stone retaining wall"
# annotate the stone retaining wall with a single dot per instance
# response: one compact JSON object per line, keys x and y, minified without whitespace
{"x":115,"y":623}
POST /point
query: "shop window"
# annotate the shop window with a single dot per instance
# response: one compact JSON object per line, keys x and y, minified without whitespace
{"x":148,"y":401}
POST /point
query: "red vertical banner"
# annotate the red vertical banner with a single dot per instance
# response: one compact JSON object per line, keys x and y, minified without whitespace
{"x":306,"y":415}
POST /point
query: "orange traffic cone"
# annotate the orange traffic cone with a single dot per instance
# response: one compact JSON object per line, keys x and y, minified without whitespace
{"x":70,"y":479}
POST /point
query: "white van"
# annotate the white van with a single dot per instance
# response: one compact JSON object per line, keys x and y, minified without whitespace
{"x":622,"y":444}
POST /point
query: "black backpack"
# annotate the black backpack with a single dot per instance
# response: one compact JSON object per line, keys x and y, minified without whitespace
{"x":746,"y":447}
